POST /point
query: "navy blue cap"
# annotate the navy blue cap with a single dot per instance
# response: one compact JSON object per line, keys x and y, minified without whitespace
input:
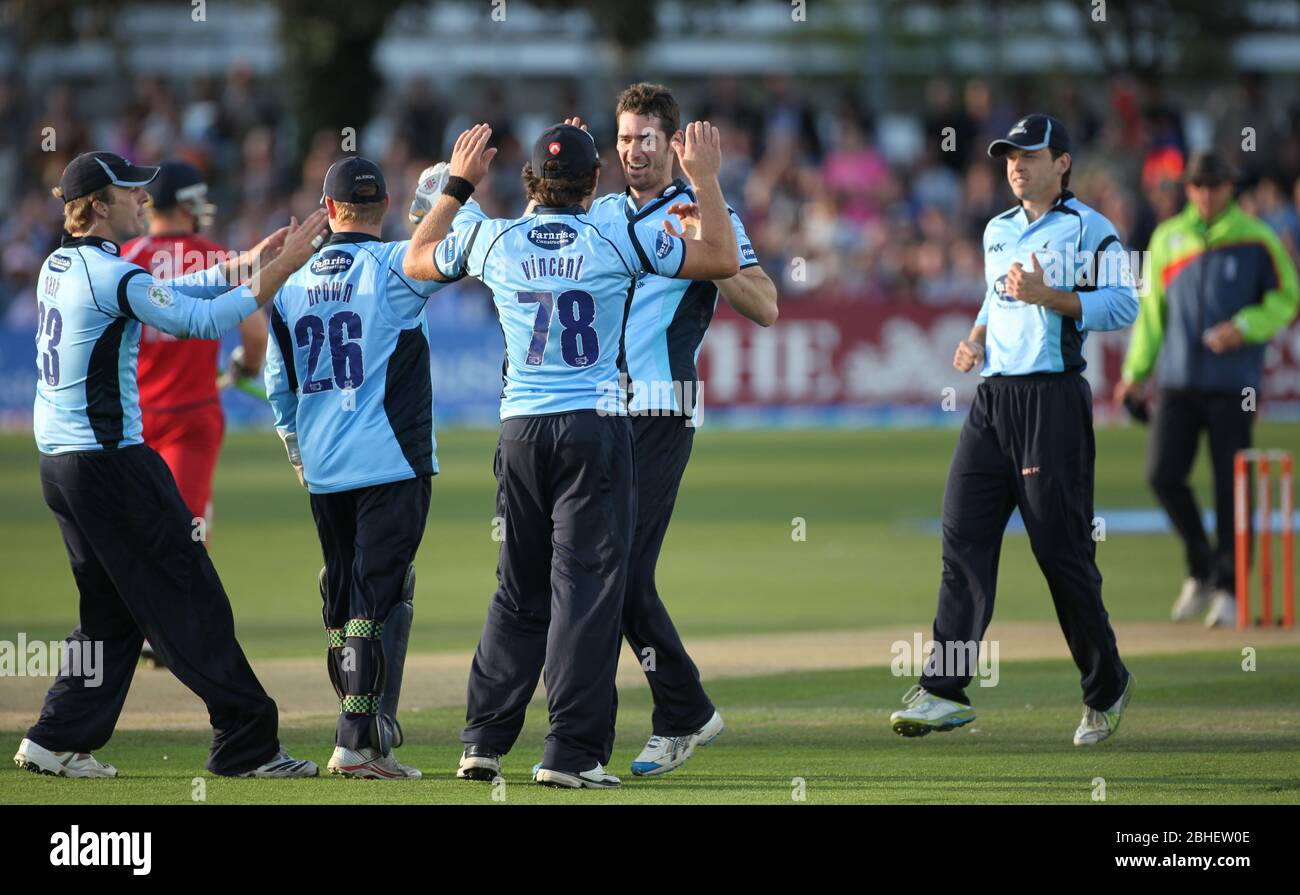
{"x":176,"y":182}
{"x":354,"y":179}
{"x":1032,"y":132}
{"x":564,"y":151}
{"x":93,"y":171}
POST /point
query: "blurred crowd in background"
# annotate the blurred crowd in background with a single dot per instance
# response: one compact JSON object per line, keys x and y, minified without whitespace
{"x":830,"y":214}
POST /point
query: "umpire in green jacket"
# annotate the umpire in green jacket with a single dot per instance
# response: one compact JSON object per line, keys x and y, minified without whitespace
{"x":1218,"y":286}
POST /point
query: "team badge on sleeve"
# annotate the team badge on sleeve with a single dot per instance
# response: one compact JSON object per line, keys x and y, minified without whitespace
{"x":449,"y":248}
{"x":663,"y":245}
{"x":160,"y":296}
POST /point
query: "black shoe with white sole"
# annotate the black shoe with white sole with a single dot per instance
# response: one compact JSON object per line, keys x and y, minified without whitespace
{"x":478,"y":762}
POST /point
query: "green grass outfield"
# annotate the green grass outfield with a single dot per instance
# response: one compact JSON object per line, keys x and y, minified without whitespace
{"x":1201,"y":729}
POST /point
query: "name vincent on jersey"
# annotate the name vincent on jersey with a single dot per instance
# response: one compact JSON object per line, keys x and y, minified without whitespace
{"x":537,"y":266}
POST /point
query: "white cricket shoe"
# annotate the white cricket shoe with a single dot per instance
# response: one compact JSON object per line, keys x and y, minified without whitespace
{"x":1223,"y":611}
{"x":368,"y":764}
{"x":284,"y":765}
{"x":596,"y":778}
{"x":926,"y":712}
{"x":663,"y":754}
{"x":1192,"y":600}
{"x":39,"y":760}
{"x":1097,"y":726}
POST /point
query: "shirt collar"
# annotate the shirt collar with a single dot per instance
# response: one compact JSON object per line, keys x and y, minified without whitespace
{"x":1195,"y":215}
{"x":68,"y":241}
{"x":673,"y":190}
{"x":338,"y":238}
{"x":559,"y":209}
{"x":1059,"y":205}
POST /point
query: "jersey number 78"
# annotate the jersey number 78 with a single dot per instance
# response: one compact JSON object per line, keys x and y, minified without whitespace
{"x":579,"y":344}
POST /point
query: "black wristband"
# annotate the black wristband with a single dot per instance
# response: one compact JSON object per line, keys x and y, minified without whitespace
{"x":458,"y":188}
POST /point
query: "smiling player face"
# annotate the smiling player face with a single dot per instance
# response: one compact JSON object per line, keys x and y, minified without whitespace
{"x":1034,"y":175}
{"x":644,"y":151}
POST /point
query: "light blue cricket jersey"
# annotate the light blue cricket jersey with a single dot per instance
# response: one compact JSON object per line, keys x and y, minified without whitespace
{"x":90,"y":307}
{"x":668,"y":318}
{"x":347,"y":366}
{"x":1080,"y":252}
{"x":562,"y":284}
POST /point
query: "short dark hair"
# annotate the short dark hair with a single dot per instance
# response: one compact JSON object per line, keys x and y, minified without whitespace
{"x":651,"y":99}
{"x":1065,"y":178}
{"x":559,"y":192}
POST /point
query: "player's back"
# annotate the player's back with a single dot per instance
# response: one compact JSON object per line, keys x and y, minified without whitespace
{"x":562,"y":285}
{"x":174,"y":372}
{"x":351,"y":332}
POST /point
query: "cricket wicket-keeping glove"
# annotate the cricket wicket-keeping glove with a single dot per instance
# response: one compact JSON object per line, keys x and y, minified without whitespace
{"x":432,"y":180}
{"x":290,"y":440}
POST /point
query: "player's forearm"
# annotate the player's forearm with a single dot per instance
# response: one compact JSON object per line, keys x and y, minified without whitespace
{"x":419,"y":263}
{"x":267,"y":280}
{"x":978,"y":334}
{"x":1066,"y":304}
{"x":252,"y":336}
{"x":717,"y":238}
{"x":753,"y":294}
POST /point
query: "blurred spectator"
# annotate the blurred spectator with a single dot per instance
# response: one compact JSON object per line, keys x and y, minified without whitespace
{"x":829,"y":214}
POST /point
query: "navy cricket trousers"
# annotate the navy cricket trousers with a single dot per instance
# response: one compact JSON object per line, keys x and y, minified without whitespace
{"x":141,"y":573}
{"x":663,"y":447}
{"x":1028,"y":444}
{"x":1180,"y":417}
{"x":566,"y":494}
{"x":369,"y":537}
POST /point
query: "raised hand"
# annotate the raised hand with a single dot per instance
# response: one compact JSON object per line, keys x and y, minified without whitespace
{"x":699,"y":149}
{"x":472,"y":156}
{"x":299,"y":240}
{"x":269,"y":247}
{"x":575,"y":121}
{"x":689,"y":214}
{"x":432,"y":180}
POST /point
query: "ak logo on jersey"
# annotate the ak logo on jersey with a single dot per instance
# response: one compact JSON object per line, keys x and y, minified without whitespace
{"x":449,"y":249}
{"x":60,"y":263}
{"x":663,"y":245}
{"x":747,"y":253}
{"x":331,"y":263}
{"x":552,"y":236}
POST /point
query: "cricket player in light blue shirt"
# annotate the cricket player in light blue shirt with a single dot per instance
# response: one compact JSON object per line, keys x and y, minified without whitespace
{"x":1055,"y":270}
{"x":665,"y":331}
{"x":348,"y":375}
{"x":562,"y":285}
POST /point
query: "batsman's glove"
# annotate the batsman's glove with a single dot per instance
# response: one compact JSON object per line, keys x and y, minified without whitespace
{"x":427,"y":191}
{"x":237,"y":370}
{"x":290,"y":440}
